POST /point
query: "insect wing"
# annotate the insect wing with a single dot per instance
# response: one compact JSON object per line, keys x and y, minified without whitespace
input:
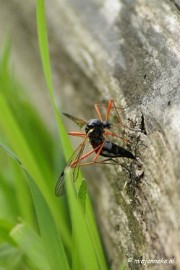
{"x":60,"y":185}
{"x":80,"y":122}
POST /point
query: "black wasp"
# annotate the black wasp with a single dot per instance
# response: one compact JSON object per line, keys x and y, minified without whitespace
{"x":96,"y":131}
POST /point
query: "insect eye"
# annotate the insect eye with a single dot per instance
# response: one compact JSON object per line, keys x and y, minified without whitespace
{"x":106,"y":124}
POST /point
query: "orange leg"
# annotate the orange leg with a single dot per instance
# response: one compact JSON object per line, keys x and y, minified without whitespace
{"x":107,"y":133}
{"x":99,"y":151}
{"x":74,"y":163}
{"x":94,"y":162}
{"x":108,"y":109}
{"x":80,"y":134}
{"x":111,"y":105}
{"x":98,"y":112}
{"x":104,"y":161}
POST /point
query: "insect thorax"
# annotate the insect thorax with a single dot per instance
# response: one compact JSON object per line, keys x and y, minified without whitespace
{"x":95,"y":130}
{"x":95,"y":123}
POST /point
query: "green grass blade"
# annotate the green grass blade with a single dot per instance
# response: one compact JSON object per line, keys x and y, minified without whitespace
{"x":92,"y":241}
{"x":91,"y":224}
{"x":24,"y":203}
{"x":20,"y":145}
{"x":43,"y":46}
{"x":31,"y":245}
{"x":82,"y":195}
{"x":53,"y":245}
{"x":5,"y":229}
{"x":10,"y":258}
{"x":52,"y":242}
{"x":79,"y":228}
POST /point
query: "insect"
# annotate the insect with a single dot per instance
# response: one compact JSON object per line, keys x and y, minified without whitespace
{"x":95,"y":132}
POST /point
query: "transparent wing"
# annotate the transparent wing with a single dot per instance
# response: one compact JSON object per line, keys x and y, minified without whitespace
{"x":60,"y":186}
{"x":80,"y":122}
{"x":75,"y":158}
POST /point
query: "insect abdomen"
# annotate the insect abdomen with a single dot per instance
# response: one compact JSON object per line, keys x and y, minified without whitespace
{"x":113,"y":150}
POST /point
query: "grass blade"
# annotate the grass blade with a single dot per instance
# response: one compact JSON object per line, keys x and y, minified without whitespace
{"x":18,"y":140}
{"x":44,"y":51}
{"x":79,"y":228}
{"x":53,"y":245}
{"x":90,"y":242}
{"x":31,"y":245}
